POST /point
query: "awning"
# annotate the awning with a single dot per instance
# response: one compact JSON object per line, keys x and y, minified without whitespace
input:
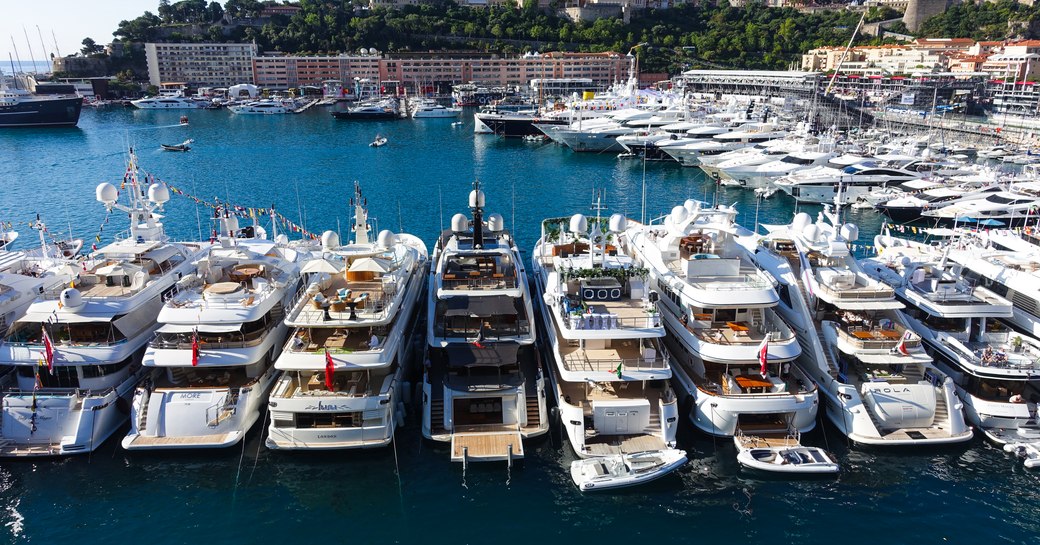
{"x":64,"y":317}
{"x":203,"y":328}
{"x":491,"y":355}
{"x":493,"y":305}
{"x":160,"y":254}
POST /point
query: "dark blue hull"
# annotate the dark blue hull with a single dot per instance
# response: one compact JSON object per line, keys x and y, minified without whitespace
{"x":38,"y":112}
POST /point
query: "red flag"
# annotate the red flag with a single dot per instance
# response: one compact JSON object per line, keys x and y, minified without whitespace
{"x":330,"y":368}
{"x":194,"y":347}
{"x":48,"y":350}
{"x":901,"y":347}
{"x":480,"y":337}
{"x":763,"y":356}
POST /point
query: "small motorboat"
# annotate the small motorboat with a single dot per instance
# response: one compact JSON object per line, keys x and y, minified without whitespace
{"x":184,"y":120}
{"x":783,"y":454}
{"x":624,"y":470}
{"x":183,"y":146}
{"x":1029,"y":453}
{"x":6,"y":237}
{"x":378,"y":142}
{"x":456,"y":123}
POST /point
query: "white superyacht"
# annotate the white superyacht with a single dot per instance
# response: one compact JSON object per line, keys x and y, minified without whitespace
{"x":610,"y":372}
{"x":878,"y":384}
{"x":342,"y":385}
{"x":91,"y":337}
{"x":731,"y":350}
{"x":483,"y":388}
{"x":220,"y":332}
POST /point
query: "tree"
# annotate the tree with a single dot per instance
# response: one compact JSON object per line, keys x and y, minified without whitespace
{"x":91,"y":48}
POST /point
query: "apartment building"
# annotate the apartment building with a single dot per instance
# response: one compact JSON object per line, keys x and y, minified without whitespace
{"x":440,"y":69}
{"x":200,"y":64}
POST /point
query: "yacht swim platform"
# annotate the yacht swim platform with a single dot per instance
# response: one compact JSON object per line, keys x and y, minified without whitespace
{"x":481,"y":444}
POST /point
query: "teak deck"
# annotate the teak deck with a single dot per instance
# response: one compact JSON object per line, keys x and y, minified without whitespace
{"x":486,"y":447}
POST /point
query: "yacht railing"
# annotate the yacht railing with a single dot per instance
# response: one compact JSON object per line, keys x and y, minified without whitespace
{"x":578,"y":362}
{"x":478,"y":282}
{"x":876,"y":338}
{"x":730,"y":283}
{"x":856,"y":293}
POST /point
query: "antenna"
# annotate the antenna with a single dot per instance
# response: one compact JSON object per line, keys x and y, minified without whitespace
{"x":55,"y":38}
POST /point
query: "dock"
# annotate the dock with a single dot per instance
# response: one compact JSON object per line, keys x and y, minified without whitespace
{"x":305,"y":107}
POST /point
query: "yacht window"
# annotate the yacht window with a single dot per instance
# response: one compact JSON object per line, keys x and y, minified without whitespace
{"x":998,"y":390}
{"x":24,"y":333}
{"x":784,"y":292}
{"x":63,"y":377}
{"x":1000,"y":200}
{"x":791,"y":159}
{"x":940,"y":323}
{"x":725,"y":315}
{"x":95,"y":371}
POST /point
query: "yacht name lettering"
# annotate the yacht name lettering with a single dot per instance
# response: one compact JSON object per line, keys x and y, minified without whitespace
{"x":189,"y":395}
{"x":325,"y":407}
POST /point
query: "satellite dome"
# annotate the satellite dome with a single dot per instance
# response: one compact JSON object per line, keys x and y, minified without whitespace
{"x":329,"y":240}
{"x":71,"y":298}
{"x":692,"y":206}
{"x":232,"y":224}
{"x":476,"y":199}
{"x":385,"y":238}
{"x":801,"y":219}
{"x":579,"y":224}
{"x":617,"y":223}
{"x":811,"y":232}
{"x":158,"y":193}
{"x":496,"y":223}
{"x":459,"y":223}
{"x":849,"y":231}
{"x":679,"y":214}
{"x":107,"y":193}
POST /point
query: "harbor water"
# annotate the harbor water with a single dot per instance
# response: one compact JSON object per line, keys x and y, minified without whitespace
{"x":305,"y":165}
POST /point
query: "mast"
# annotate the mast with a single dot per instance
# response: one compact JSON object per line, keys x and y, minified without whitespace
{"x":360,"y":227}
{"x":845,"y":53}
{"x":476,"y":204}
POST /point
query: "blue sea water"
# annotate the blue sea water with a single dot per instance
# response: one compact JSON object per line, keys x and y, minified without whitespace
{"x":306,"y":166}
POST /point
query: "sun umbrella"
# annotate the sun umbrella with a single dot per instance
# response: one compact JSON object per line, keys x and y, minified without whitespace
{"x":964,"y":219}
{"x":991,"y":223}
{"x":370,"y":264}
{"x":319,"y":266}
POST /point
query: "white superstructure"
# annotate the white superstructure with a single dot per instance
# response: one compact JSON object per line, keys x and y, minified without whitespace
{"x":878,"y":384}
{"x":344,"y":365}
{"x":731,"y":351}
{"x":610,"y":371}
{"x":220,"y":332}
{"x":91,"y":335}
{"x":483,"y":388}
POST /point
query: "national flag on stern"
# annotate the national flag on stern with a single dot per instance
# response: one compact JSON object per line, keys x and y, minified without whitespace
{"x":618,"y":370}
{"x":479,"y":341}
{"x":48,"y":350}
{"x":901,"y":347}
{"x":330,"y":368}
{"x":195,"y":347}
{"x":763,"y":357}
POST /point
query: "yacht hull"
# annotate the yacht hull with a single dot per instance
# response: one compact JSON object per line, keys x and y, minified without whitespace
{"x":57,"y":112}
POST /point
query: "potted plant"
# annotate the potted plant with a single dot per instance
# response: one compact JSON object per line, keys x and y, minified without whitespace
{"x":652,"y":318}
{"x":1016,"y":343}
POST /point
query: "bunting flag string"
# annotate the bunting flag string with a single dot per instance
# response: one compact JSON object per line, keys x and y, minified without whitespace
{"x":244,"y":212}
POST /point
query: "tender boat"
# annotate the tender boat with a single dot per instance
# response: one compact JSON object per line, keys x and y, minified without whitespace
{"x":1029,"y":453}
{"x":784,"y":455}
{"x":378,"y":142}
{"x":183,"y":146}
{"x":624,"y":470}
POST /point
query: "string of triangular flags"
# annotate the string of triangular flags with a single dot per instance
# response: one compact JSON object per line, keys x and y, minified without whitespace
{"x":245,"y":212}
